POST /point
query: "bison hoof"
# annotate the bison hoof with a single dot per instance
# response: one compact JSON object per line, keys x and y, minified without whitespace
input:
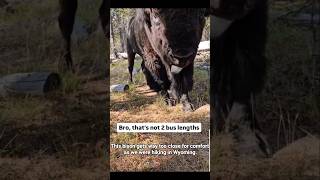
{"x":187,"y":107}
{"x":250,"y":142}
{"x":171,"y":102}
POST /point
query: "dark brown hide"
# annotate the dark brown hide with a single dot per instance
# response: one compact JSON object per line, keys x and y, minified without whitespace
{"x":171,"y":37}
{"x":138,"y":43}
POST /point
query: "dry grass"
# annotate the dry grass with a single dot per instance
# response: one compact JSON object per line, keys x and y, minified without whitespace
{"x":298,"y":160}
{"x":61,"y":135}
{"x":155,"y":112}
{"x":288,"y":103}
{"x":47,"y":167}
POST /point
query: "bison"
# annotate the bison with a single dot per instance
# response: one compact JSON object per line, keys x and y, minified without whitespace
{"x":239,"y":34}
{"x":66,"y":20}
{"x":167,"y":40}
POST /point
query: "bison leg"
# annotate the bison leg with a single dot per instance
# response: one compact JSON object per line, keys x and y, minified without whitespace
{"x":181,"y":84}
{"x":151,"y":78}
{"x":186,"y":104}
{"x":66,"y":22}
{"x":131,"y":56}
{"x":174,"y":88}
{"x":243,"y":124}
{"x":167,"y":99}
{"x":157,"y":78}
{"x":186,"y":86}
{"x":241,"y":119}
{"x":220,"y":112}
{"x":178,"y":93}
{"x":160,"y":85}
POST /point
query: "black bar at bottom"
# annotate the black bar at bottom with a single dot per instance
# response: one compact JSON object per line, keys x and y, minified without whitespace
{"x":159,"y":175}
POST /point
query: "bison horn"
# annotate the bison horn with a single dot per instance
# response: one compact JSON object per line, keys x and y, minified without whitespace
{"x":176,"y":69}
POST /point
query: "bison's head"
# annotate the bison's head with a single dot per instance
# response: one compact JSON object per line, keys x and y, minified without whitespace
{"x":174,"y":33}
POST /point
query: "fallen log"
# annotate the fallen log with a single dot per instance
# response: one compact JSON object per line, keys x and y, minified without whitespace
{"x":34,"y":83}
{"x":119,"y":88}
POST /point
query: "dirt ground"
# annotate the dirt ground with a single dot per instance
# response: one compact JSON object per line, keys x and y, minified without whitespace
{"x":67,"y":140}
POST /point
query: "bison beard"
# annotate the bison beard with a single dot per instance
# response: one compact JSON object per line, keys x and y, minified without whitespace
{"x":167,"y":40}
{"x":239,"y":31}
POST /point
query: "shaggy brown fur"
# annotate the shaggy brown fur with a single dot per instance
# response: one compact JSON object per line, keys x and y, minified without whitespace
{"x":167,"y":40}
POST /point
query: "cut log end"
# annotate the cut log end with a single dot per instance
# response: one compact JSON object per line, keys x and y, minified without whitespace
{"x":52,"y":83}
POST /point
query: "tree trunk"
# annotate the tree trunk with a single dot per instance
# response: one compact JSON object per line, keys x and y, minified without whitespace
{"x":122,"y":38}
{"x":112,"y":45}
